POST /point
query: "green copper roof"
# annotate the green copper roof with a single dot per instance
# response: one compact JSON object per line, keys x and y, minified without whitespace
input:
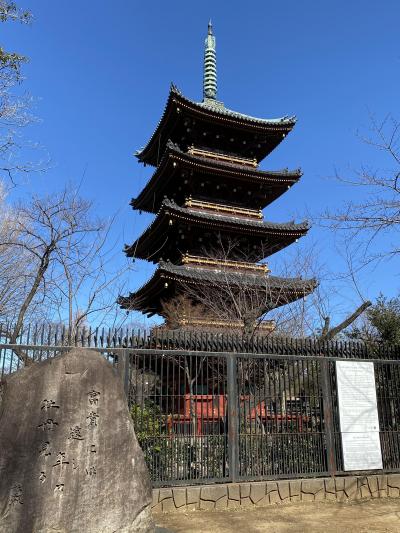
{"x":273,"y":130}
{"x":218,"y":108}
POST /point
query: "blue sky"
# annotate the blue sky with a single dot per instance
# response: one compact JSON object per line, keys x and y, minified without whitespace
{"x":100,"y":73}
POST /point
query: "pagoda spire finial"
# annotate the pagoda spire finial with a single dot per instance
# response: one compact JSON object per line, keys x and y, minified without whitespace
{"x":210,"y":66}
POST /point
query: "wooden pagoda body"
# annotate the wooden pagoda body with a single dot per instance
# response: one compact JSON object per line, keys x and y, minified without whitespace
{"x":208,"y":194}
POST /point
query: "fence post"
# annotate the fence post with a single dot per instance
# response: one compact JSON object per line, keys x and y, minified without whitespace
{"x":123,"y":370}
{"x":328,"y":417}
{"x":233,"y":416}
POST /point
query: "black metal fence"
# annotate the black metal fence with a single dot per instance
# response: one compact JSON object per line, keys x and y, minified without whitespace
{"x":58,"y":335}
{"x":206,"y":416}
{"x":214,"y":408}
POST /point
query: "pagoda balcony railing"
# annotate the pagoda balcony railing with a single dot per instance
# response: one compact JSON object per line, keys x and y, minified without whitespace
{"x":241,"y":161}
{"x":208,"y":262}
{"x":224,"y":209}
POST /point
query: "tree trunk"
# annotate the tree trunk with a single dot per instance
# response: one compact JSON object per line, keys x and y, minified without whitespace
{"x":328,"y":334}
{"x":43,"y":265}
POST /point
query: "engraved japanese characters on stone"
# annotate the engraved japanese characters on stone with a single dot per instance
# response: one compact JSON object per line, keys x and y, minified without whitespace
{"x":44,"y":449}
{"x":16,"y":496}
{"x":91,"y":471}
{"x":93,"y":397}
{"x":92,"y":419}
{"x":49,"y":404}
{"x":67,"y":499}
{"x":48,"y":425}
{"x":61,"y":460}
{"x":76,"y":433}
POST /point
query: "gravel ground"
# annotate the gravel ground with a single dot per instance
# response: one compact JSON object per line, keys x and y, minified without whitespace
{"x":372,"y":516}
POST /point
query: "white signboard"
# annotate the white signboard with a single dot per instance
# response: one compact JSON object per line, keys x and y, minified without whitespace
{"x":358,"y":414}
{"x":361,"y":451}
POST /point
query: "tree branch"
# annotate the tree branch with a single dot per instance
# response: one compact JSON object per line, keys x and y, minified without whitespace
{"x":328,"y":334}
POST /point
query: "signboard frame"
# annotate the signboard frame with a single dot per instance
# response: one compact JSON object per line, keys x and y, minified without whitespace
{"x":358,"y":415}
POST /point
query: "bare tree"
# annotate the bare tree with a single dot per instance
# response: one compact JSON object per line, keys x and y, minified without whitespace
{"x":312,"y":315}
{"x":40,"y":229}
{"x":181,"y":310}
{"x":15,"y":112}
{"x":64,"y":250}
{"x":15,"y":267}
{"x":243,"y":293}
{"x":371,"y":226}
{"x":247,"y":298}
{"x":90,"y":278}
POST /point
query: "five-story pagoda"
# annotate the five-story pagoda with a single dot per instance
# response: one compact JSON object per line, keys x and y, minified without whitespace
{"x":209,"y":237}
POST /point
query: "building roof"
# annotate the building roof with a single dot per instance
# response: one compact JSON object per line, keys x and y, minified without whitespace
{"x":218,"y":107}
{"x":257,"y":224}
{"x":158,"y":240}
{"x":178,"y":168}
{"x":208,"y":194}
{"x":217,"y":275}
{"x":169,"y":278}
{"x":174,"y":125}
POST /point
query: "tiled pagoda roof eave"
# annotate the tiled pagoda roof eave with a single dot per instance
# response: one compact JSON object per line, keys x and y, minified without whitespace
{"x":218,"y":109}
{"x":216,"y":275}
{"x":277,"y":178}
{"x":140,"y":154}
{"x":175,"y":97}
{"x":149,"y":287}
{"x":256,"y":224}
{"x":170,"y":209}
{"x":295,"y":287}
{"x":225,"y":166}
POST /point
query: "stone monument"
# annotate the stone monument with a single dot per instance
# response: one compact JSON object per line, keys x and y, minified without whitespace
{"x":69,"y":458}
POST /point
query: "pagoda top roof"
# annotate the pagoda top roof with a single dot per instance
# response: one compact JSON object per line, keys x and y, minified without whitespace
{"x":210,"y":100}
{"x":161,"y":181}
{"x":148,"y":297}
{"x":218,"y":107}
{"x":211,"y":110}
